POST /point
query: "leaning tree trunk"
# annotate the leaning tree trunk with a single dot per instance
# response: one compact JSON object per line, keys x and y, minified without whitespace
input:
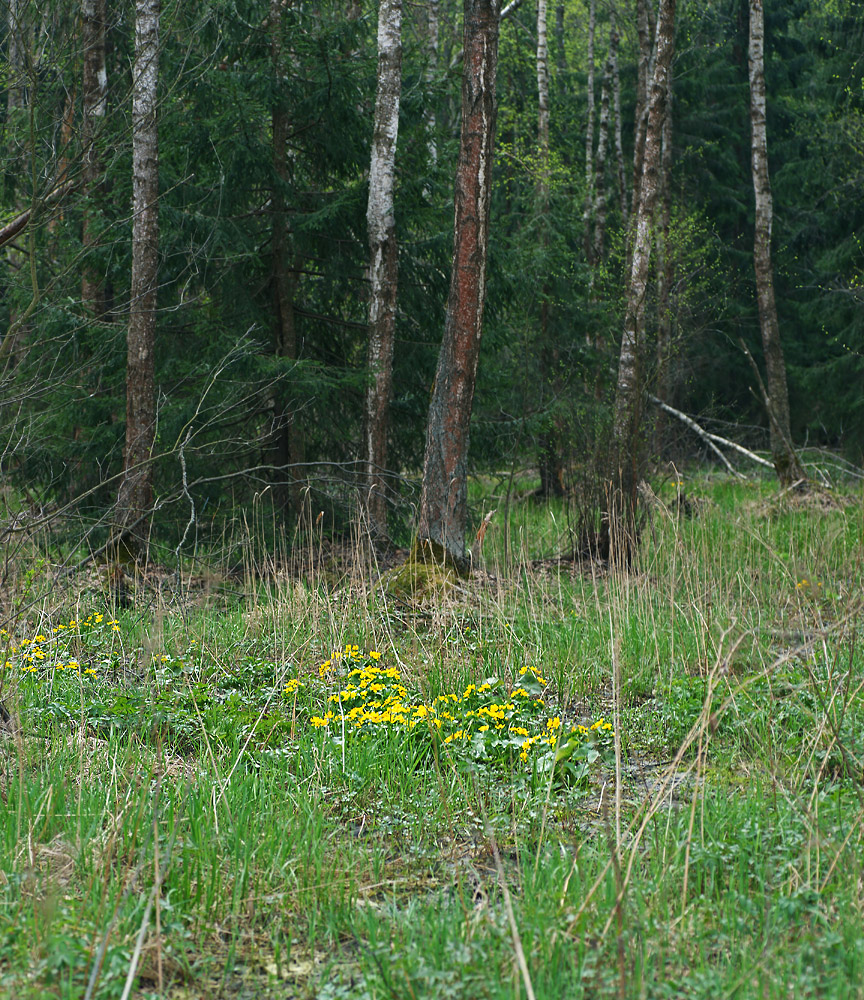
{"x":444,"y":494}
{"x":94,"y":99}
{"x":383,"y":259}
{"x":618,"y":536}
{"x":782,"y":453}
{"x":135,"y":499}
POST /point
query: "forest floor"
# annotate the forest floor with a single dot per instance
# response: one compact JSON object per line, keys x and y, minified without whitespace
{"x":549,"y":782}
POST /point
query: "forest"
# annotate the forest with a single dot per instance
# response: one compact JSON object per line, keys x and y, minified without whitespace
{"x":431,"y":463}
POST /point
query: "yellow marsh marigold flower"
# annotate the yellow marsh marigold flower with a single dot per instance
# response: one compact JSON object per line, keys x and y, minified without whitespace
{"x":375,"y":655}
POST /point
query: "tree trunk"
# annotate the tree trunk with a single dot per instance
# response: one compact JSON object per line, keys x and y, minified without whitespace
{"x":383,"y":259}
{"x":93,"y":106}
{"x":443,"y":500}
{"x":589,"y":136}
{"x":288,"y":452}
{"x":785,"y":460}
{"x":618,"y":536}
{"x":134,"y":504}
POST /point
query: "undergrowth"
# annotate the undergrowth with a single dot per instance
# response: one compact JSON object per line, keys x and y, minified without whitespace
{"x":552,"y":781}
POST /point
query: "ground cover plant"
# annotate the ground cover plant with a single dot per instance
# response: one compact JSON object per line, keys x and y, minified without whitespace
{"x":545,"y":781}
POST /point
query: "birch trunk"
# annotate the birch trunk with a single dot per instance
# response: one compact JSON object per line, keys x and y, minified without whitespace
{"x":618,"y":537}
{"x":543,"y":103}
{"x":288,"y":451}
{"x":782,"y":453}
{"x":383,"y":259}
{"x":589,"y":134}
{"x":94,"y":99}
{"x":136,"y":488}
{"x":443,"y":499}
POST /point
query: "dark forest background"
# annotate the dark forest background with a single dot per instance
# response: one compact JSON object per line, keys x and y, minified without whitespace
{"x":226,"y":393}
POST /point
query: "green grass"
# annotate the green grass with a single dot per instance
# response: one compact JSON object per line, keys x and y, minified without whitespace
{"x":175,"y":813}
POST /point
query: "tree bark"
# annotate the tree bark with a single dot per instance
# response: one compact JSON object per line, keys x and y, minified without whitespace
{"x":135,"y":497}
{"x":94,"y":99}
{"x":383,"y":259}
{"x":289,"y":450}
{"x":785,"y":460}
{"x":618,"y":535}
{"x":443,"y":499}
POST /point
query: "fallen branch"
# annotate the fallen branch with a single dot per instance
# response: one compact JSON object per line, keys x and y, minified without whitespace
{"x":712,"y":440}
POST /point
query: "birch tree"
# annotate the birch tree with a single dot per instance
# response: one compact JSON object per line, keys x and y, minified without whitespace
{"x":777,"y":402}
{"x":618,"y":535}
{"x":383,"y":258}
{"x":444,"y":494}
{"x":135,"y":497}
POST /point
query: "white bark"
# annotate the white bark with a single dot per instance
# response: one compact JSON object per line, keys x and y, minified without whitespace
{"x":543,"y":100}
{"x":383,"y":254}
{"x":135,"y":494}
{"x":785,"y":461}
{"x":620,"y":518}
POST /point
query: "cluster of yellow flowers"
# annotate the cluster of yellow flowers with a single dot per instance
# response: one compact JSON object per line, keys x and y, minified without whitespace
{"x":374,"y":696}
{"x":46,"y":651}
